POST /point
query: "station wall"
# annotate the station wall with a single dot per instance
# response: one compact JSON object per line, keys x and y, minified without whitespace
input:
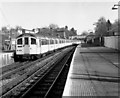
{"x":112,"y":42}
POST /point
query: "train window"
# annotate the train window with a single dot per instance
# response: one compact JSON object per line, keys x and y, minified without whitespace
{"x":19,"y":41}
{"x":56,"y":42}
{"x":33,"y":41}
{"x":26,"y":41}
{"x":65,"y":41}
{"x":47,"y":41}
{"x":51,"y":41}
{"x":59,"y":41}
{"x":44,"y":42}
{"x":40,"y":42}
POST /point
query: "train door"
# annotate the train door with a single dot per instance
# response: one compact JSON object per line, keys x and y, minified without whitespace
{"x":26,"y":45}
{"x":33,"y":46}
{"x":19,"y":46}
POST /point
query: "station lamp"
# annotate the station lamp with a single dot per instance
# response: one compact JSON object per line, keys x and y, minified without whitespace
{"x":115,"y":7}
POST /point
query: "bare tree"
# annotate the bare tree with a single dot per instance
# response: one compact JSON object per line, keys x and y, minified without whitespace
{"x":4,"y":29}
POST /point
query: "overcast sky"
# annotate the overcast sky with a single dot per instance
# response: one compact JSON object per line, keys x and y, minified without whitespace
{"x":78,"y":14}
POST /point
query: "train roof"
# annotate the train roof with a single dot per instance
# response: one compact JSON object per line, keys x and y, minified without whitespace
{"x":38,"y":35}
{"x":26,"y":34}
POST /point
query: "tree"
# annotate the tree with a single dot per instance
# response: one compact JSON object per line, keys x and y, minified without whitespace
{"x":53,"y":26}
{"x":18,"y":28}
{"x":115,"y":28}
{"x":72,"y":29}
{"x":84,"y":33}
{"x":66,"y":27}
{"x":74,"y":32}
{"x":101,"y":27}
{"x":109,"y":24}
{"x":5,"y":30}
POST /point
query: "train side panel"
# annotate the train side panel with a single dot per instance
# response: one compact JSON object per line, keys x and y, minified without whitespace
{"x":38,"y":50}
{"x":51,"y":44}
{"x":32,"y":46}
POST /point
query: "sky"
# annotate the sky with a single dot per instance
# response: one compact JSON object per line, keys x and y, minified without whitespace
{"x":80,"y":14}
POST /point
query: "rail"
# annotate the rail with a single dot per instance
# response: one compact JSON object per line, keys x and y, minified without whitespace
{"x":24,"y":80}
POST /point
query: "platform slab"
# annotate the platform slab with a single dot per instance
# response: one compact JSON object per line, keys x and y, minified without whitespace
{"x":93,"y":72}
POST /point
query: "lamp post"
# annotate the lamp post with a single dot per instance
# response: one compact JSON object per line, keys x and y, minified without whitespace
{"x":114,"y":7}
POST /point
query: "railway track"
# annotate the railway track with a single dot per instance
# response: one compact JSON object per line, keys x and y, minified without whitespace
{"x":12,"y":69}
{"x":31,"y":76}
{"x":57,"y":88}
{"x":17,"y":68}
{"x":9,"y":67}
{"x":52,"y":82}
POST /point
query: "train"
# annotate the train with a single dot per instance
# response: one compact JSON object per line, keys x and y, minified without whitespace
{"x":32,"y":46}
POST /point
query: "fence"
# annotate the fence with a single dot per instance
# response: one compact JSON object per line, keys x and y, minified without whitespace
{"x":5,"y":59}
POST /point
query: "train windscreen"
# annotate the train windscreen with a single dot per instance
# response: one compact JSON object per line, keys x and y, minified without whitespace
{"x":26,"y":41}
{"x":19,"y":41}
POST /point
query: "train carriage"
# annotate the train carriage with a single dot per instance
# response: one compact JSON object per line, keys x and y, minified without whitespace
{"x":44,"y":41}
{"x":51,"y":44}
{"x":56,"y":45}
{"x":32,"y":46}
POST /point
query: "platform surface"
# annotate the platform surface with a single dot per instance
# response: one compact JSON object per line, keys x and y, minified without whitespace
{"x":93,"y":72}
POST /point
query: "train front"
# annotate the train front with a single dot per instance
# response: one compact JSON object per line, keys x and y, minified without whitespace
{"x":25,"y":46}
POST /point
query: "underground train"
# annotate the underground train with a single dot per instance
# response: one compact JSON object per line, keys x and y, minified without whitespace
{"x":32,"y":46}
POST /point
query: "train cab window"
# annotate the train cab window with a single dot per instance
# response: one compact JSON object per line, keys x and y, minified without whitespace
{"x":19,"y":41}
{"x":33,"y":41}
{"x":26,"y":41}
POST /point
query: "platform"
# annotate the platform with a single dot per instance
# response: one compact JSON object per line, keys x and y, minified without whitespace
{"x":93,"y":72}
